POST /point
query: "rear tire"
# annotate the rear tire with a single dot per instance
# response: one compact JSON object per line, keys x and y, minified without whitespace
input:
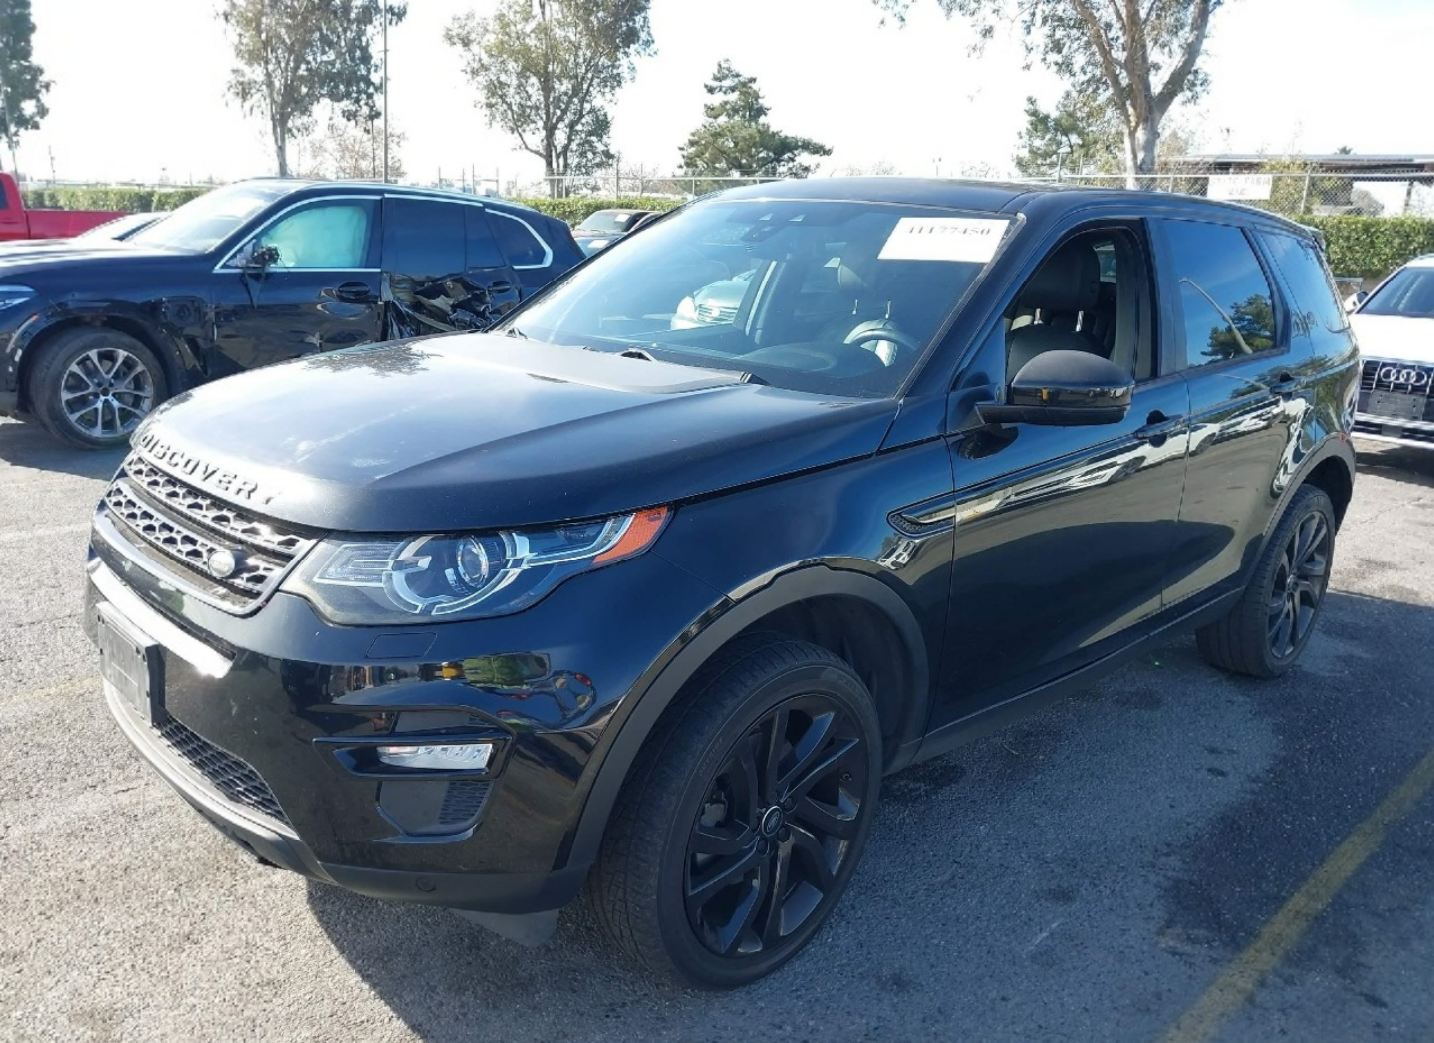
{"x":1267,"y":629}
{"x":722,"y":860}
{"x":93,"y":386}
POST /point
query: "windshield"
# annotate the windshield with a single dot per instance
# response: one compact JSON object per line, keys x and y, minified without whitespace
{"x":1409,"y":292}
{"x":202,"y":224}
{"x":833,"y":297}
{"x":611,"y":221}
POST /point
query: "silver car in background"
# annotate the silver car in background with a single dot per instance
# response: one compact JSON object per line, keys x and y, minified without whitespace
{"x":1395,"y":328}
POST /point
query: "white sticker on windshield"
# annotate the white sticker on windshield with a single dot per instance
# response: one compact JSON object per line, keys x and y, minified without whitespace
{"x":944,"y":239}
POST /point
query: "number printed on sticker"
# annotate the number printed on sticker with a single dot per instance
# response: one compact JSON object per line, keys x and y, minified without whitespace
{"x":966,"y":239}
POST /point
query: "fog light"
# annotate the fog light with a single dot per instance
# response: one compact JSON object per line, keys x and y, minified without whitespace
{"x":470,"y":756}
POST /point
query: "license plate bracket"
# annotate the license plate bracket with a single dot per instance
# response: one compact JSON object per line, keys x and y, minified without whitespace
{"x":1398,"y":405}
{"x":130,"y":663}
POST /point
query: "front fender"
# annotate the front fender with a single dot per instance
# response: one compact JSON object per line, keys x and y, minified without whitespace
{"x":168,"y":325}
{"x":638,"y":714}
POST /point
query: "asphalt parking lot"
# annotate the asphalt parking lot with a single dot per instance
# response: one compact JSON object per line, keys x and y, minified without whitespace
{"x":1173,"y":855}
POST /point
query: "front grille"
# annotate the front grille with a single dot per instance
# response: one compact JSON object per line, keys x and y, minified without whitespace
{"x":234,"y":778}
{"x":717,"y":314}
{"x":1407,"y":378}
{"x":181,"y":528}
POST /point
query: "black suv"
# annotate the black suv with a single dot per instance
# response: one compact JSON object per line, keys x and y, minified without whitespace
{"x":95,"y":333}
{"x":614,"y":596}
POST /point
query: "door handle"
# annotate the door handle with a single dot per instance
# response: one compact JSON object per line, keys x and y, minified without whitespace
{"x":1286,"y":386}
{"x":354,"y":292}
{"x":501,"y":286}
{"x":1159,"y":426}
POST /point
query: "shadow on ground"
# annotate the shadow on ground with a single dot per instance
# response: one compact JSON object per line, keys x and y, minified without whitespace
{"x":1081,"y":875}
{"x":27,"y":444}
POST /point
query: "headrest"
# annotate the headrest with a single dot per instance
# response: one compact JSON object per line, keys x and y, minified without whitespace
{"x":1068,"y":281}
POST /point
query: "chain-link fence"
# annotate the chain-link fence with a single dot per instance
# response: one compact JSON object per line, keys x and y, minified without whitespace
{"x":627,"y":184}
{"x":1294,"y":194}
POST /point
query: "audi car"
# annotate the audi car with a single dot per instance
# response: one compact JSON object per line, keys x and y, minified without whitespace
{"x":1395,"y":328}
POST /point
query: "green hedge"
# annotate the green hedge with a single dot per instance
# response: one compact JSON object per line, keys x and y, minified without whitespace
{"x":1372,"y":247}
{"x":125,"y":200}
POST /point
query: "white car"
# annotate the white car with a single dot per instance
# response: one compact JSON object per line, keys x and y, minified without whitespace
{"x":1395,"y":328}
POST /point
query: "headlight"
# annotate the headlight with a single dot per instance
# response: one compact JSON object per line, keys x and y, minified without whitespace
{"x":13,"y":295}
{"x":382,"y":581}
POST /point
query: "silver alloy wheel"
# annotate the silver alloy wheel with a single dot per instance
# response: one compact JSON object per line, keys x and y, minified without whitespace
{"x":106,"y":392}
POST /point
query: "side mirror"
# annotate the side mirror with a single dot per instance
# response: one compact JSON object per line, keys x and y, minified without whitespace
{"x":256,"y":258}
{"x":1064,"y":389}
{"x":1354,"y":300}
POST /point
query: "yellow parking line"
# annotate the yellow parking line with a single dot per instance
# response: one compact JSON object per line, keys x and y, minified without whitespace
{"x":1282,"y":933}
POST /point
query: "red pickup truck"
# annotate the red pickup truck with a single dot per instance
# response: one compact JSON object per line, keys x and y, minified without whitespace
{"x":18,"y":223}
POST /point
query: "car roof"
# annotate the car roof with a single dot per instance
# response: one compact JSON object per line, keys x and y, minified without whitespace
{"x":1422,"y":261}
{"x":994,"y":196}
{"x":451,"y":195}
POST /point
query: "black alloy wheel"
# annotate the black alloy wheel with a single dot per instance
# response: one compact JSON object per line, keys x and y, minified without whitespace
{"x":768,"y":844}
{"x":1300,"y":581}
{"x":743,"y":817}
{"x":1267,"y":629}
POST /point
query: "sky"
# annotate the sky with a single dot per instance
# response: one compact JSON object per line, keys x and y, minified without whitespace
{"x":139,"y":87}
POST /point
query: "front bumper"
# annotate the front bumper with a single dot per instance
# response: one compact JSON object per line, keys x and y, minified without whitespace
{"x":257,"y":714}
{"x":1415,"y":433}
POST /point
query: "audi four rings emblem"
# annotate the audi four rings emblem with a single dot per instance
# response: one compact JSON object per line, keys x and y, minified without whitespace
{"x":1418,"y":378}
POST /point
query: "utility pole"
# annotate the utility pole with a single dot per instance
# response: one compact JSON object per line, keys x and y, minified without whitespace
{"x":385,"y":92}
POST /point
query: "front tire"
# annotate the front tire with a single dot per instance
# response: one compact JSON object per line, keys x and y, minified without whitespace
{"x":744,"y":816}
{"x":1268,"y":628}
{"x":93,"y":386}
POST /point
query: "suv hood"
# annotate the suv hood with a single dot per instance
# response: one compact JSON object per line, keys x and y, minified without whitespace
{"x":53,"y":256}
{"x":1395,"y":337}
{"x":475,"y":431}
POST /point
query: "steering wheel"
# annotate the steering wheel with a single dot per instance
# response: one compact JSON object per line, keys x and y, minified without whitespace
{"x":877,"y":332}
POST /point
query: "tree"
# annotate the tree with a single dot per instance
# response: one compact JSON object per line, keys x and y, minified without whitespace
{"x":22,"y":82}
{"x":345,"y":151}
{"x":1082,"y":133}
{"x":543,"y":69}
{"x":1142,"y":55}
{"x":293,"y":54}
{"x":736,"y":137}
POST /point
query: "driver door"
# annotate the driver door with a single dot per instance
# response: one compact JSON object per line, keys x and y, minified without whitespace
{"x":1063,"y":534}
{"x":319,"y":290}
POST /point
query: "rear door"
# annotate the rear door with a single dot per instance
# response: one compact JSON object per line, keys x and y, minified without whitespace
{"x":1249,"y":390}
{"x":442,"y":269}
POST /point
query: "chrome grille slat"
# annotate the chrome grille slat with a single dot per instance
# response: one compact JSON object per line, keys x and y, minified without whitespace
{"x":176,"y":524}
{"x":220,"y":517}
{"x":1384,"y":374}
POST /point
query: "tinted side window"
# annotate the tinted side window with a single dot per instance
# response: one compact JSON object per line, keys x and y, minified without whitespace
{"x":1316,"y":304}
{"x":330,"y":235}
{"x":1226,"y":302}
{"x":483,"y":249}
{"x":524,"y":249}
{"x":423,"y":238}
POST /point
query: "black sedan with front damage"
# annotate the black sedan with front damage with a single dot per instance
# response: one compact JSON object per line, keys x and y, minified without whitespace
{"x":94,"y":333}
{"x":643,"y":598}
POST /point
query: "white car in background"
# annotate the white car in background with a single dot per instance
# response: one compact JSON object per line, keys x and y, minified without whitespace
{"x":1395,"y":328}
